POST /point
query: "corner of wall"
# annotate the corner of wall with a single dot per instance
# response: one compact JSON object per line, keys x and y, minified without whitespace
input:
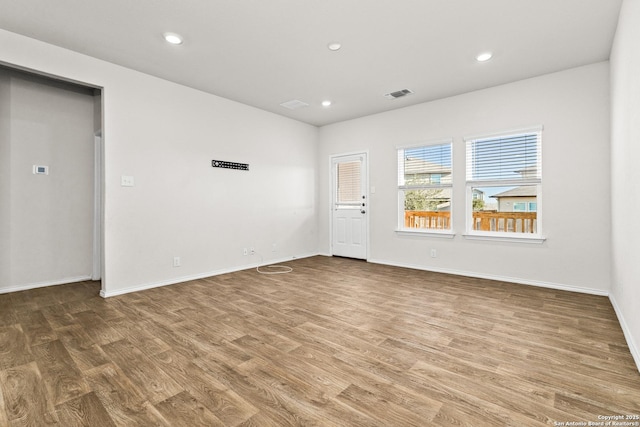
{"x":625,"y":131}
{"x":633,"y":346}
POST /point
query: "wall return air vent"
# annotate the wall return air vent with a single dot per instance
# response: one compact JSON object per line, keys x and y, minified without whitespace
{"x":398,"y":94}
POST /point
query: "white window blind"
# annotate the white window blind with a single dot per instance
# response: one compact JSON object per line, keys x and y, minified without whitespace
{"x":349,"y":183}
{"x":514,"y":157}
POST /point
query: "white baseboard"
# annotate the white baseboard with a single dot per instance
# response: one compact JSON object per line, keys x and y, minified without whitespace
{"x":635,"y":350}
{"x":517,"y":280}
{"x":144,"y":287}
{"x":36,"y":285}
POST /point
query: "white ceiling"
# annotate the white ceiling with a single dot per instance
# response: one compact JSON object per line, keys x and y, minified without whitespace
{"x":266,"y":52}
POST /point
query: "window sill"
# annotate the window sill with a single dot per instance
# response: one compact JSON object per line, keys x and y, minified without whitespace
{"x":500,"y":237}
{"x":445,"y":234}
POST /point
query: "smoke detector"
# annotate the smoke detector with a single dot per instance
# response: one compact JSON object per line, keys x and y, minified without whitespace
{"x":398,"y":94}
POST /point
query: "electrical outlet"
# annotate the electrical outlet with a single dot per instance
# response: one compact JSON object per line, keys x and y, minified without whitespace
{"x":245,"y":251}
{"x":434,"y":253}
{"x":252,"y":251}
{"x":273,"y":247}
{"x":176,"y":261}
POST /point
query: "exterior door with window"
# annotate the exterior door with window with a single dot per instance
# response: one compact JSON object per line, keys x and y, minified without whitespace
{"x":349,"y":206}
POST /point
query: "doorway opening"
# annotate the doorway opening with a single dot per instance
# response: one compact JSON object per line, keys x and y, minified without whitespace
{"x":51,"y":180}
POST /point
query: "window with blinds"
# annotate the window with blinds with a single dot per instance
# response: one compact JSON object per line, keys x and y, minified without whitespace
{"x":504,"y":181}
{"x":349,"y":191}
{"x":504,"y":158}
{"x":424,"y":187}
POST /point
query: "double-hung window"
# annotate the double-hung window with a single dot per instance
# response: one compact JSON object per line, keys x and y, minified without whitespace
{"x":504,"y":183}
{"x":424,"y":187}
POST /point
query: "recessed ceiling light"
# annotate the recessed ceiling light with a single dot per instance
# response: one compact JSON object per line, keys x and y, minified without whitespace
{"x":326,"y":103}
{"x":334,"y":46}
{"x":172,"y":38}
{"x":484,"y":57}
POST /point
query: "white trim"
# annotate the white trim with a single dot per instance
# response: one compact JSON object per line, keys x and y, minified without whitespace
{"x":500,"y":237}
{"x":45,"y":74}
{"x":505,"y":183}
{"x":144,"y":287}
{"x":331,"y":204}
{"x":536,"y":128}
{"x":426,"y":143}
{"x":36,"y":285}
{"x":424,"y":187}
{"x":516,"y":280}
{"x":97,"y":208}
{"x":418,"y":233}
{"x":633,"y":347}
{"x":349,"y":154}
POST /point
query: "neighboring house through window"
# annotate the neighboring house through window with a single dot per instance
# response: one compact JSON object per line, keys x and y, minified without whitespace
{"x":519,"y":199}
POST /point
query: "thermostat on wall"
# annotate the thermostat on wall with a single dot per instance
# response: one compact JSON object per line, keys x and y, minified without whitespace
{"x":40,"y":170}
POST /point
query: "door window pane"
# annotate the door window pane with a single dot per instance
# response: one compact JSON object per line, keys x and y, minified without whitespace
{"x":348,"y":180}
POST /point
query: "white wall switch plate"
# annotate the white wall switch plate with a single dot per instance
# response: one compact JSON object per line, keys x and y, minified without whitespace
{"x":126,"y":181}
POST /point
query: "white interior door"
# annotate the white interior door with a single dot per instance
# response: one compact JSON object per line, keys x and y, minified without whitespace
{"x":349,"y":206}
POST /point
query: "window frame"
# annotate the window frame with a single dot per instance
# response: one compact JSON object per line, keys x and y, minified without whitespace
{"x":471,"y":184}
{"x":402,"y":189}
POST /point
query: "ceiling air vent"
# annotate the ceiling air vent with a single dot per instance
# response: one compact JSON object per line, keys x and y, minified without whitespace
{"x":294,"y":104}
{"x":398,"y":94}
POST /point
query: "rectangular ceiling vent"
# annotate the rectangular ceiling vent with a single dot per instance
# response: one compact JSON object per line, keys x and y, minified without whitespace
{"x":398,"y":94}
{"x":294,"y":104}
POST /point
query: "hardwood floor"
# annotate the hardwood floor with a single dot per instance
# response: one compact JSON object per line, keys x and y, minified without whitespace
{"x":337,"y":342}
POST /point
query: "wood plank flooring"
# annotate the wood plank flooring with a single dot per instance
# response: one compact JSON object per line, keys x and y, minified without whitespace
{"x":337,"y":342}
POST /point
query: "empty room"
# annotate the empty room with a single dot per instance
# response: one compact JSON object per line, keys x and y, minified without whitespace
{"x":319,"y":213}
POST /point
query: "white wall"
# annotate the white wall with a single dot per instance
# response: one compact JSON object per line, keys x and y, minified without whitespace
{"x":50,"y":217}
{"x":625,"y":190}
{"x":165,"y":136}
{"x":573,"y":107}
